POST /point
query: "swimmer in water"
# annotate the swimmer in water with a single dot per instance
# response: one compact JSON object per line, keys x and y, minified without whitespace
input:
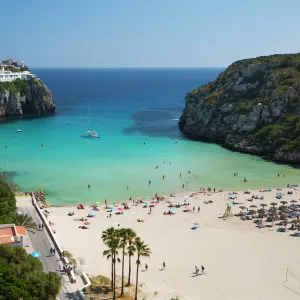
{"x":180,"y":175}
{"x":163,"y":176}
{"x":127,"y":187}
{"x":149,"y":182}
{"x":183,"y":186}
{"x":89,"y":186}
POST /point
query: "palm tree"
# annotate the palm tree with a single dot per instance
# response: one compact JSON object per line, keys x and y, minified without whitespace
{"x":107,"y":236}
{"x":142,"y":250}
{"x":26,"y":221}
{"x":131,"y":235}
{"x":124,"y":233}
{"x":115,"y":245}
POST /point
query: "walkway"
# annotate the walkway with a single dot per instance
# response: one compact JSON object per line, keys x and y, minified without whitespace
{"x":42,"y":243}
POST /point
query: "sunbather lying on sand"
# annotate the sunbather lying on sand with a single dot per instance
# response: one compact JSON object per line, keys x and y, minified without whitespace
{"x":208,"y":202}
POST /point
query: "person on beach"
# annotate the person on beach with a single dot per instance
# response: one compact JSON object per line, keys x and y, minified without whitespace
{"x":146,"y":267}
{"x":150,"y":210}
{"x":51,"y":251}
{"x":198,"y":209}
{"x":203,"y":270}
{"x":194,"y":209}
{"x":164,"y":265}
{"x":196,"y":270}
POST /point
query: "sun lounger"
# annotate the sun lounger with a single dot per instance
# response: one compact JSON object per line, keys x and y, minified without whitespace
{"x":194,"y":227}
{"x":281,"y":229}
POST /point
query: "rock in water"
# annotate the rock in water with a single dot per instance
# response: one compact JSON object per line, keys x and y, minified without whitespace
{"x":26,"y":97}
{"x":252,"y":107}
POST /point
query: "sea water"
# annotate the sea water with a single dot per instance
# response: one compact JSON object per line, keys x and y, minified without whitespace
{"x":136,"y":113}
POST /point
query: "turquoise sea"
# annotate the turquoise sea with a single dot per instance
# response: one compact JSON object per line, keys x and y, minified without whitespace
{"x":135,"y":112}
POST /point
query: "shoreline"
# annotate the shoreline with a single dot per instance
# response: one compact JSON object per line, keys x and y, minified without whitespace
{"x":177,"y":194}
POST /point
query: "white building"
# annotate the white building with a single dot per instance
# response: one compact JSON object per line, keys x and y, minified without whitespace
{"x":7,"y":76}
{"x":20,"y":63}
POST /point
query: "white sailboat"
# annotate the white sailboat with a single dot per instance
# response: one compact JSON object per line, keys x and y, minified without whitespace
{"x":90,"y":132}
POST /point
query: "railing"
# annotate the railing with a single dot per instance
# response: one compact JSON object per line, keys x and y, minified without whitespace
{"x":56,"y":244}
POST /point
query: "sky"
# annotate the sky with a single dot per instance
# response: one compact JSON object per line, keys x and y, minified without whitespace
{"x":146,"y":33}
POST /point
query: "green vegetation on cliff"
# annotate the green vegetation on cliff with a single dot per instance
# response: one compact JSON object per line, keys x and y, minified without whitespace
{"x":7,"y":204}
{"x":17,"y":85}
{"x":253,"y":106}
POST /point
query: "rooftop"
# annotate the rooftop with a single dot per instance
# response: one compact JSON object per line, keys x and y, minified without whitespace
{"x":9,"y":233}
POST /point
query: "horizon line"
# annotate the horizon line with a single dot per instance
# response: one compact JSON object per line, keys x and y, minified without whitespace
{"x":48,"y":67}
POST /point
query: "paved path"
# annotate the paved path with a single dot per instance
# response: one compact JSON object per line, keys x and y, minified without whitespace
{"x":42,"y":243}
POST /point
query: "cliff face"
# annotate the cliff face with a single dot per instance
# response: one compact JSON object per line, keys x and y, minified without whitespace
{"x":253,"y":107}
{"x":27,"y":97}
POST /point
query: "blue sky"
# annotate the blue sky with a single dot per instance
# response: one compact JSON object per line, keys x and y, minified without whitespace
{"x":141,"y":33}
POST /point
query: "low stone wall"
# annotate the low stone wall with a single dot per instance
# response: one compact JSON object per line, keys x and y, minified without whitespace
{"x":80,"y":292}
{"x":53,"y":238}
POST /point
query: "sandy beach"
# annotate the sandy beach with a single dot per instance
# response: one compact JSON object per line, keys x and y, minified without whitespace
{"x":241,"y":260}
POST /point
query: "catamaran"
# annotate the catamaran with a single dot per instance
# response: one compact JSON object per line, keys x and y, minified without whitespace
{"x":90,"y":131}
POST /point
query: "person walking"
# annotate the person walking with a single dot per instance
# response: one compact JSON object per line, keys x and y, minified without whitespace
{"x":196,"y":270}
{"x":198,"y":209}
{"x":146,"y":267}
{"x":51,"y":251}
{"x":193,"y":208}
{"x":150,"y":210}
{"x":203,"y":270}
{"x":164,"y":265}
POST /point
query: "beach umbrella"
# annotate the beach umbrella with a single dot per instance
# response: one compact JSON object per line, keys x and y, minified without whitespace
{"x":263,"y":205}
{"x":97,"y":202}
{"x":91,"y":213}
{"x":269,"y":189}
{"x":242,"y":207}
{"x":36,"y":254}
{"x":120,"y":208}
{"x":293,"y":201}
{"x":86,"y":223}
{"x":252,"y":211}
{"x":273,"y":204}
{"x":253,"y":206}
{"x":172,"y":208}
{"x":283,"y":202}
{"x":110,"y":206}
{"x":164,"y":196}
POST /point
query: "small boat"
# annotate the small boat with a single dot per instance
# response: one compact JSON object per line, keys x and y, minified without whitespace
{"x":19,"y":130}
{"x":92,"y":133}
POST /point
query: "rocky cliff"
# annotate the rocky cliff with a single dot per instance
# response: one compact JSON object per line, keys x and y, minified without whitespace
{"x":253,"y":107}
{"x":25,"y":97}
